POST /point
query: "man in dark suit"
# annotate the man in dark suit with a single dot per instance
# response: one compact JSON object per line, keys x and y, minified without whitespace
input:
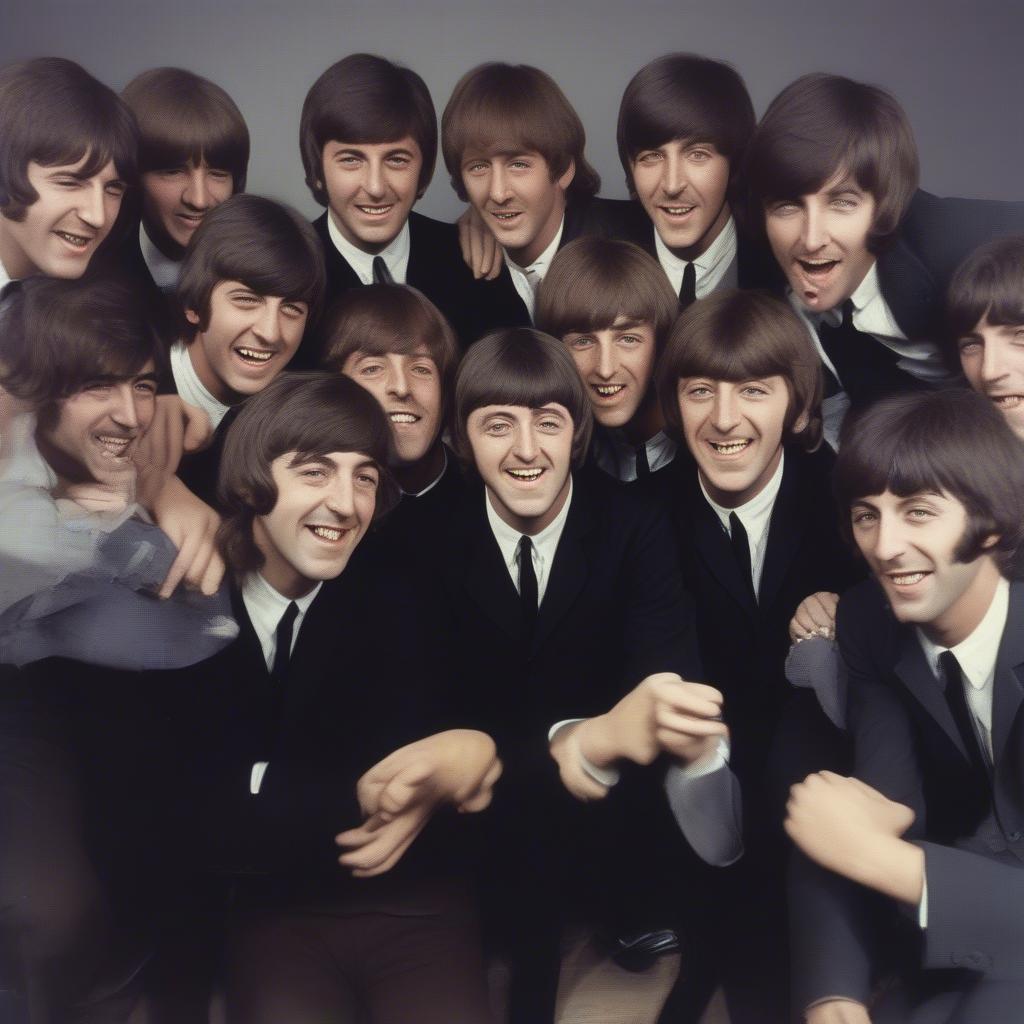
{"x":750,"y":499}
{"x":931,"y":822}
{"x":514,"y":148}
{"x":391,"y":340}
{"x":612,"y":308}
{"x":832,"y":172}
{"x":684,"y":123}
{"x":369,"y":144}
{"x":566,"y":606}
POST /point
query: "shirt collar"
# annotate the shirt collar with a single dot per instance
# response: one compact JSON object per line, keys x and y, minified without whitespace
{"x":759,"y":507}
{"x":395,"y":253}
{"x":5,"y":278}
{"x":191,"y":389}
{"x":162,"y":268}
{"x":539,"y":267}
{"x":976,"y":654}
{"x":869,"y":290}
{"x":508,"y":538}
{"x":433,"y":483}
{"x":723,"y":248}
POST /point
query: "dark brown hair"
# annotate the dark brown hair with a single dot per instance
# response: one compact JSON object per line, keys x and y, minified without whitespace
{"x":744,"y":335}
{"x":58,"y":336}
{"x":824,"y":124}
{"x":312,"y":414}
{"x":53,"y":112}
{"x":953,"y":442}
{"x":383,"y":318}
{"x":520,"y":366}
{"x":263,"y":244}
{"x":684,"y":96}
{"x":366,"y":99}
{"x":183,"y":119}
{"x":989,"y":283}
{"x":515,"y":108}
{"x":595,"y":280}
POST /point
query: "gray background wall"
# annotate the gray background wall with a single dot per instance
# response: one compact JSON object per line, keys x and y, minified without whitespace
{"x":956,"y":67}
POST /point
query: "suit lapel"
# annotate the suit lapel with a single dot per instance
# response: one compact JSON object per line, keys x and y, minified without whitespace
{"x":484,"y":574}
{"x":340,"y":274}
{"x":1009,"y":678}
{"x":785,"y":530}
{"x":908,"y":289}
{"x":250,"y":661}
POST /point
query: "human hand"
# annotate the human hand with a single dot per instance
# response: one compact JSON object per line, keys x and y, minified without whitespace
{"x":565,"y":749}
{"x":192,"y":527}
{"x":837,"y":1011}
{"x":816,"y":616}
{"x":177,"y":427}
{"x":480,"y":249}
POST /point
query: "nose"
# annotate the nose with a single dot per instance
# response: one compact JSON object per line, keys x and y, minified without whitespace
{"x":267,"y":326}
{"x":498,"y":184}
{"x":724,"y":411}
{"x":605,"y":360}
{"x":815,"y":230}
{"x":675,"y":178}
{"x":91,"y":207}
{"x":373,"y":179}
{"x":341,"y":498}
{"x":197,"y":191}
{"x":888,"y":538}
{"x":123,"y":411}
{"x":992,"y":368}
{"x":398,"y":382}
{"x":526,"y":444}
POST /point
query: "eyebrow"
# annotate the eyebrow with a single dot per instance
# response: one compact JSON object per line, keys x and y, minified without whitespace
{"x":628,"y":325}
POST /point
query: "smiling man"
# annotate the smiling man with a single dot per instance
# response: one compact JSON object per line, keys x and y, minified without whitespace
{"x":369,"y":144}
{"x":985,"y":325}
{"x":536,"y":563}
{"x":251,"y":281}
{"x":740,"y":386}
{"x":867,"y":255}
{"x":932,"y":486}
{"x":611,"y":306}
{"x":69,"y":157}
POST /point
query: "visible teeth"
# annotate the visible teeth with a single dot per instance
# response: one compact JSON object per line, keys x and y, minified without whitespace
{"x":402,"y":417}
{"x":729,"y":447}
{"x":79,"y":240}
{"x":1008,"y":401}
{"x":607,"y":390}
{"x":326,"y":532}
{"x":255,"y":354}
{"x":677,"y":211}
{"x":816,"y":264}
{"x":114,"y":445}
{"x":376,"y":210}
{"x":907,"y":579}
{"x":526,"y":474}
{"x":506,"y":216}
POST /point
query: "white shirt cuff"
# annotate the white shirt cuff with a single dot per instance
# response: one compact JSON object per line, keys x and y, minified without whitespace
{"x":922,"y":907}
{"x":259,"y":769}
{"x":605,"y":776}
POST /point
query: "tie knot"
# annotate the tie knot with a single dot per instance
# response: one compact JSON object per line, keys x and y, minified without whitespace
{"x":381,"y":274}
{"x":950,"y":667}
{"x":525,"y":546}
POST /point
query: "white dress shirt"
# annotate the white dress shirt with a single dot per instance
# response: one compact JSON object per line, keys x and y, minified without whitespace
{"x":395,"y":254}
{"x":527,"y":279}
{"x":756,"y":517}
{"x":191,"y":389}
{"x":164,"y":271}
{"x":545,"y":543}
{"x":5,"y":278}
{"x":617,"y":457}
{"x":714,"y":268}
{"x":265,"y":606}
{"x":872,"y":315}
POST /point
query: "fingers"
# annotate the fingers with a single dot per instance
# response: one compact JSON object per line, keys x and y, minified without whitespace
{"x":465,"y":244}
{"x":214,"y":575}
{"x":483,"y":793}
{"x":696,"y":699}
{"x":189,"y":545}
{"x":491,"y":258}
{"x":378,"y":845}
{"x":197,"y":430}
{"x":816,"y":616}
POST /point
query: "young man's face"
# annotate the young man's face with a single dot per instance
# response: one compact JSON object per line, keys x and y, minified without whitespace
{"x":175,"y":199}
{"x":524,"y":457}
{"x":682,"y":185}
{"x":324,"y":507}
{"x":734,"y":431}
{"x":95,"y":432}
{"x":616,"y":364}
{"x":408,"y":388}
{"x":371,"y":187}
{"x":820,"y":241}
{"x":64,"y":227}
{"x":993,"y":362}
{"x":517,"y":199}
{"x":909,"y":544}
{"x":248,"y":340}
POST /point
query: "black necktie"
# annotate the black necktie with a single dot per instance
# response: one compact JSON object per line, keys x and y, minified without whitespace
{"x":956,"y":699}
{"x":527,"y":585}
{"x":643,"y":464}
{"x":688,"y":287}
{"x":283,"y":643}
{"x":741,"y":549}
{"x":865,"y":367}
{"x":381,"y":274}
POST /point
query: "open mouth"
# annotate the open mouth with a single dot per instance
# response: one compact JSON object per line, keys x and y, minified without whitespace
{"x":526,"y":476}
{"x":608,"y":390}
{"x":818,"y":267}
{"x":113,"y":445}
{"x":75,"y":241}
{"x":331,"y":534}
{"x":730,"y":447}
{"x":1006,"y":402}
{"x":906,"y":579}
{"x":403,"y":417}
{"x":506,"y":216}
{"x":254,"y":356}
{"x":381,"y":210}
{"x":678,"y":211}
{"x":193,"y":220}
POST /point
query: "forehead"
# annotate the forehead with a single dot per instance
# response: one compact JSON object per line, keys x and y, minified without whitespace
{"x":502,"y":149}
{"x":406,"y":142}
{"x":421,"y":351}
{"x":337,"y":461}
{"x":108,"y":172}
{"x":891,"y":499}
{"x":222,"y":287}
{"x":518,"y":411}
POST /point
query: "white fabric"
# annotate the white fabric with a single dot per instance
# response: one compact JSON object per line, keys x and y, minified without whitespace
{"x":191,"y":389}
{"x":715,"y":267}
{"x":164,"y":271}
{"x":395,"y":254}
{"x":617,"y":457}
{"x":527,"y":279}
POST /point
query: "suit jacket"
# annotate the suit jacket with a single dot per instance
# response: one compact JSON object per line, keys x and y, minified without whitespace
{"x":436,"y":268}
{"x":907,"y":747}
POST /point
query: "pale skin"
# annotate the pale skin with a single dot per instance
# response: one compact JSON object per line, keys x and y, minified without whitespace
{"x":662,"y":714}
{"x":400,"y":794}
{"x":816,"y":616}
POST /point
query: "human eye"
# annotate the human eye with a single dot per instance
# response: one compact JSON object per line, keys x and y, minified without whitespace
{"x":846,"y":202}
{"x":630,"y":340}
{"x":146,"y":387}
{"x":295,"y":309}
{"x":312,"y":472}
{"x":649,"y":156}
{"x":475,"y":167}
{"x":423,"y":369}
{"x":399,"y":160}
{"x":116,"y":189}
{"x":755,"y":390}
{"x":970,"y":346}
{"x":698,"y":155}
{"x":920,"y":513}
{"x":521,"y":163}
{"x":581,"y":341}
{"x":498,"y":428}
{"x":550,"y":424}
{"x":370,"y":369}
{"x":783,"y":208}
{"x":1018,"y":335}
{"x":246,"y":299}
{"x":98,"y":387}
{"x":862,"y":517}
{"x":698,"y":391}
{"x":367,"y":478}
{"x":219,"y":174}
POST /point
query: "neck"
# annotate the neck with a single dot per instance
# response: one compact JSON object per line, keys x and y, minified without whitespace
{"x":529,"y":252}
{"x":412,"y":477}
{"x":964,"y":616}
{"x":531,"y":525}
{"x":205,"y":373}
{"x":370,"y":248}
{"x":736,"y":499}
{"x":164,"y":242}
{"x":16,"y":264}
{"x":701,"y":246}
{"x":647,"y":421}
